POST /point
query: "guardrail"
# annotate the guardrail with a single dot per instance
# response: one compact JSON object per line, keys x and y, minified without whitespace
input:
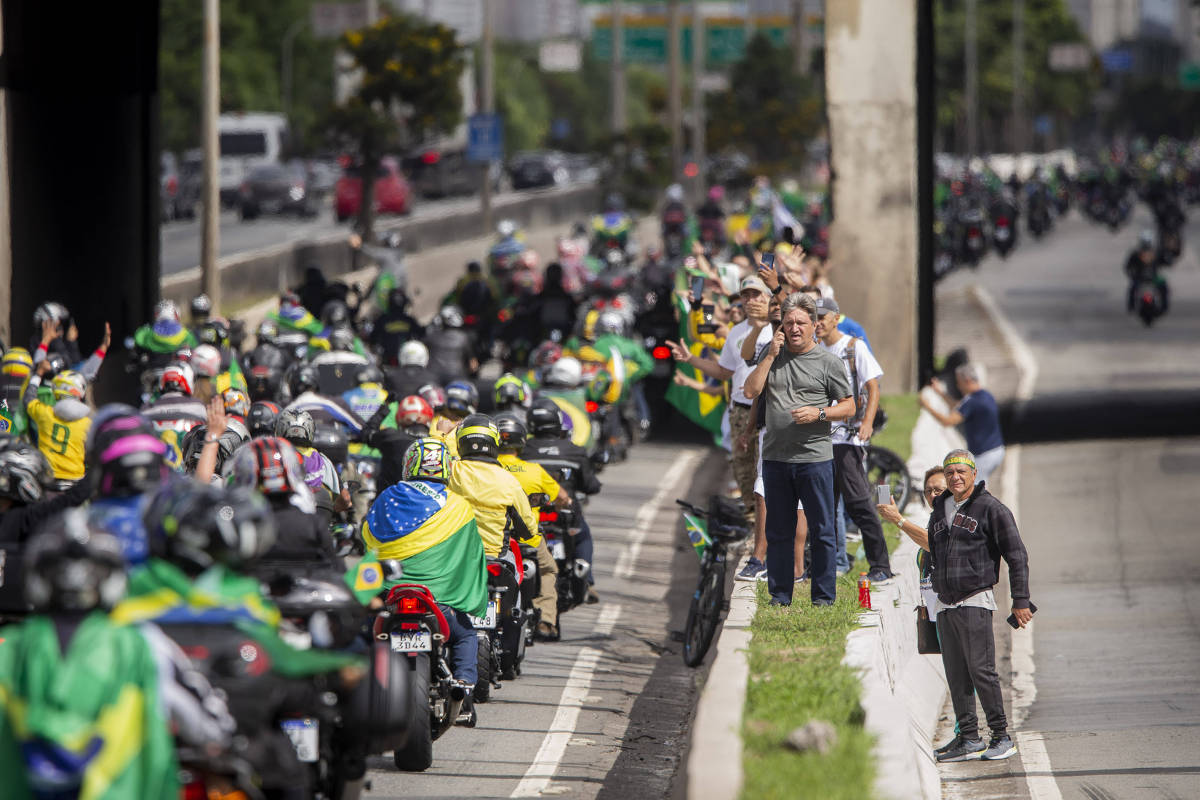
{"x":255,"y":274}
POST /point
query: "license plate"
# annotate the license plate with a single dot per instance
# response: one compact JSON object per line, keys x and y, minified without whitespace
{"x":558,"y":550}
{"x":1002,"y":234}
{"x":488,"y":620}
{"x":412,"y":642}
{"x":304,"y":735}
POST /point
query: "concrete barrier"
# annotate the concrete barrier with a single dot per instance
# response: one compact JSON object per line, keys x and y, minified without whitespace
{"x":252,"y":275}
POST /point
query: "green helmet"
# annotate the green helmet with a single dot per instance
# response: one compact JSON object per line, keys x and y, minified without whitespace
{"x":427,"y":459}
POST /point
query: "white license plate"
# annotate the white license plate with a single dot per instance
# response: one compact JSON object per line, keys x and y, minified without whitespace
{"x":488,"y":620}
{"x":304,"y":735}
{"x":1002,"y":234}
{"x":412,"y":642}
{"x":558,"y":550}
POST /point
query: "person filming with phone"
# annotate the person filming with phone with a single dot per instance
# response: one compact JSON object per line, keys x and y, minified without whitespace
{"x":969,"y":531}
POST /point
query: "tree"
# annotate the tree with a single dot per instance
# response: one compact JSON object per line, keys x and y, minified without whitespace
{"x":409,"y":90}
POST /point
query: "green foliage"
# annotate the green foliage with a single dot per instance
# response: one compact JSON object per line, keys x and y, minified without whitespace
{"x":1047,"y":22}
{"x":769,"y":111}
{"x":521,"y":97}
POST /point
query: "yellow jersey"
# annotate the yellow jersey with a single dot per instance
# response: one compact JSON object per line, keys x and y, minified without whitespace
{"x":491,"y":489}
{"x":533,"y":479}
{"x":61,"y":442}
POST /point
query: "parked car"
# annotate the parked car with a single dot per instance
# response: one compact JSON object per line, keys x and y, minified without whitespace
{"x":179,"y":190}
{"x":392,"y":192}
{"x":534,"y":169}
{"x":278,"y":189}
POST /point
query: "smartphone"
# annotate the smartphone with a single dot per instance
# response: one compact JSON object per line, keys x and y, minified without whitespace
{"x":1012,"y":618}
{"x":883,"y":494}
{"x":768,"y":260}
{"x":697,"y":289}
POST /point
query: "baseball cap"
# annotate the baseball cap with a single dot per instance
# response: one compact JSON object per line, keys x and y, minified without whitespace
{"x":827,"y":305}
{"x":754,"y":282}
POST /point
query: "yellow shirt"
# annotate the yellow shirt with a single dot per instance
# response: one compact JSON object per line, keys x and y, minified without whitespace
{"x":490,"y":490}
{"x":61,"y":442}
{"x":533,"y":479}
{"x":450,"y":438}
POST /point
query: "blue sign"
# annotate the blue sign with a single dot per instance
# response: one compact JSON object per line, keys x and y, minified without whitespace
{"x":1117,"y":60}
{"x":485,"y":138}
{"x":1043,"y":124}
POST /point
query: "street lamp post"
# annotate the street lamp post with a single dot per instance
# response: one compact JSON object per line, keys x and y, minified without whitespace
{"x":285,"y":80}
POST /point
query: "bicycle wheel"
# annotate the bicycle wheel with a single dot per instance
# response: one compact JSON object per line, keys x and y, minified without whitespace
{"x":884,"y":466}
{"x":704,"y":613}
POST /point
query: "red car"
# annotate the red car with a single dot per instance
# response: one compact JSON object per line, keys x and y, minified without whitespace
{"x":392,"y":193}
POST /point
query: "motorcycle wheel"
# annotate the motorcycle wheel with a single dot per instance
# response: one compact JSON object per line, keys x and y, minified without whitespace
{"x":704,"y":614}
{"x":417,"y":753}
{"x":483,"y":683}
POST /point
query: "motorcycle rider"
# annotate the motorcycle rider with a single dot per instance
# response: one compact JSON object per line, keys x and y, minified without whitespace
{"x":260,"y":421}
{"x":534,"y":480}
{"x":368,"y":393}
{"x":451,"y":347}
{"x":511,"y":395}
{"x":53,"y":320}
{"x":16,"y":368}
{"x":413,"y":371}
{"x":413,"y":416}
{"x":215,"y":332}
{"x":321,"y":477}
{"x":1142,"y":266}
{"x":206,"y":366}
{"x":394,"y":327}
{"x":175,"y":412}
{"x":165,"y":334}
{"x":459,"y":400}
{"x":293,"y":317}
{"x":674,"y":221}
{"x":433,"y":532}
{"x":61,"y":428}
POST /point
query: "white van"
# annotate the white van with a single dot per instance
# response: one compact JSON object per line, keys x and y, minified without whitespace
{"x":248,"y":140}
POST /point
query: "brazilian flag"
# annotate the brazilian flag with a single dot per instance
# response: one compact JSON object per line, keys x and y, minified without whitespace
{"x":706,"y":410}
{"x":366,"y":578}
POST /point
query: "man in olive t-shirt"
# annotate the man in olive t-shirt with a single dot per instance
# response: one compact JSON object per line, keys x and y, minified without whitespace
{"x":805,"y":389}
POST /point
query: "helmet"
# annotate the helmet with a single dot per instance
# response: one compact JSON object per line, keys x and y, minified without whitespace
{"x":195,"y":526}
{"x":341,"y":340}
{"x":57,"y":362}
{"x":73,"y":566}
{"x":368,"y":374}
{"x":176,"y":378}
{"x":263,"y":382}
{"x":450,"y":317}
{"x":512,"y":431}
{"x":1146,"y":240}
{"x":544,"y":419}
{"x":333,"y":443}
{"x":716,"y":193}
{"x":166,"y":310}
{"x":260,"y":419}
{"x":426,"y":459}
{"x":510,"y":391}
{"x":235,"y":436}
{"x":545,"y":354}
{"x":462,"y":397}
{"x":267,"y":331}
{"x":17,"y":362}
{"x":69,"y":383}
{"x":609,"y":322}
{"x":434,"y":395}
{"x":675,"y":193}
{"x":122,"y":444}
{"x":296,"y":426}
{"x":614,"y":202}
{"x":25,"y":473}
{"x":589,"y":325}
{"x":506,"y":228}
{"x":391,"y":239}
{"x":477,"y":437}
{"x":305,"y":378}
{"x":237,"y":403}
{"x":206,"y":361}
{"x":414,"y":354}
{"x":55,"y":311}
{"x":201,"y":306}
{"x":182,"y":356}
{"x":335,"y":314}
{"x":413,"y":410}
{"x":214,"y":332}
{"x":288,"y":298}
{"x":567,"y":372}
{"x":269,"y":464}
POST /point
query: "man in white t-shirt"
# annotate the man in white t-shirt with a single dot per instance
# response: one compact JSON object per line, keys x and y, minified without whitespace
{"x":730,"y":366}
{"x":851,"y":436}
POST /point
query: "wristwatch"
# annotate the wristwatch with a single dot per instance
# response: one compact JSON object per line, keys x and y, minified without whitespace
{"x":821,"y":415}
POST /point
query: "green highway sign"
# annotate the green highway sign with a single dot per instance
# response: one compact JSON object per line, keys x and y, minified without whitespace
{"x":1189,"y":75}
{"x":645,"y":38}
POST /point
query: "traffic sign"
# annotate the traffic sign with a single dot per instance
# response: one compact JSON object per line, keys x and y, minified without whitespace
{"x":1189,"y":75}
{"x":330,"y":20}
{"x":1117,"y":60}
{"x":485,"y":137}
{"x":1069,"y":57}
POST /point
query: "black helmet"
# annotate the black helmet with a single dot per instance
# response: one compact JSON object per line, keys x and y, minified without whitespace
{"x":262,"y":382}
{"x":341,"y":339}
{"x":73,"y":566}
{"x":25,"y":473}
{"x":214,"y":332}
{"x":332,"y":441}
{"x":261,"y":419}
{"x":477,"y":437}
{"x":368,"y":374}
{"x":235,"y":436}
{"x":297,"y":426}
{"x":544,"y":419}
{"x":305,"y":378}
{"x":512,"y":431}
{"x":462,"y":397}
{"x":195,"y":526}
{"x":335,"y":314}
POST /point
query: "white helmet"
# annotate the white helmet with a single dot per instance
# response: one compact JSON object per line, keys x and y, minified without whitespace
{"x":567,"y":373}
{"x":675,"y":193}
{"x":206,"y":361}
{"x":166,"y":309}
{"x":414,"y":354}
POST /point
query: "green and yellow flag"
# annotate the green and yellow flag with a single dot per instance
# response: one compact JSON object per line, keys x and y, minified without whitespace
{"x":706,"y":410}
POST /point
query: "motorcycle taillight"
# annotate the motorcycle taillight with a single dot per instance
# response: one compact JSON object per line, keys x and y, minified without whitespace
{"x":548,"y":516}
{"x":196,"y":790}
{"x":1002,"y":221}
{"x":591,"y":406}
{"x":494,"y":569}
{"x":411,"y":605}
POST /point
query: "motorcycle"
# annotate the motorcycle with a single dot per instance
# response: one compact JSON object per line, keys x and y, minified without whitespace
{"x":504,"y":630}
{"x":559,"y":526}
{"x":1149,"y":304}
{"x":1003,"y":235}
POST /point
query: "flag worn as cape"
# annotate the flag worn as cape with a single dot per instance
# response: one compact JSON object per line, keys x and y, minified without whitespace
{"x":86,"y":723}
{"x":432,"y":531}
{"x":159,"y":591}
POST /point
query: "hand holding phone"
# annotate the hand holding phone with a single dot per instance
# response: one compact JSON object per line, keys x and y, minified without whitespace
{"x":883,"y":494}
{"x":697,"y":290}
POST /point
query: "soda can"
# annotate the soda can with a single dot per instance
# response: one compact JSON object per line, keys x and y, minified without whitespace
{"x":864,"y":591}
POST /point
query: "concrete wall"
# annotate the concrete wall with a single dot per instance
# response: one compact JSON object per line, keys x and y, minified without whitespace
{"x":870,"y":68}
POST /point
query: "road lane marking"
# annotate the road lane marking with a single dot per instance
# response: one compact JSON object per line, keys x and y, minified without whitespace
{"x":554,"y":746}
{"x":607,"y":620}
{"x":1027,"y":365}
{"x":627,"y":560}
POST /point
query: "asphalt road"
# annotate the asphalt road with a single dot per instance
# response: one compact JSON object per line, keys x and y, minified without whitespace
{"x":1113,"y":552}
{"x":605,"y":711}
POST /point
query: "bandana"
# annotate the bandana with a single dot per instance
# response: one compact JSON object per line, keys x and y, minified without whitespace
{"x":959,"y":460}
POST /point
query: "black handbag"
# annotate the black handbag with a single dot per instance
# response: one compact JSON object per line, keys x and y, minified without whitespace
{"x":927,"y":637}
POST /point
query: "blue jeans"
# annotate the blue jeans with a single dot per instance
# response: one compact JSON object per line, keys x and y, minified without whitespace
{"x":784,"y":485}
{"x":464,"y":646}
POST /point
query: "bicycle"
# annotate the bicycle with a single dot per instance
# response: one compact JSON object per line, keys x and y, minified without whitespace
{"x":711,"y":533}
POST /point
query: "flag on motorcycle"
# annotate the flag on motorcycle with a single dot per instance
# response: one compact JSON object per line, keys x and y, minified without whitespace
{"x":365,"y":579}
{"x":84,"y":723}
{"x":706,"y":410}
{"x":433,"y":533}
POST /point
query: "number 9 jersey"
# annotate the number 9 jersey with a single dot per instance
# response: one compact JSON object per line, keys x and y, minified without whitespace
{"x":62,"y":431}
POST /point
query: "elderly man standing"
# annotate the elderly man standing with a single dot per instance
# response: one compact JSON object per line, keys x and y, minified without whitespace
{"x":806,"y":390}
{"x":978,"y":415}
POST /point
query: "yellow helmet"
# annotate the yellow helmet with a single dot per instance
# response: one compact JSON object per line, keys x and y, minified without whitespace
{"x":69,"y":383}
{"x":17,"y":362}
{"x":589,"y":325}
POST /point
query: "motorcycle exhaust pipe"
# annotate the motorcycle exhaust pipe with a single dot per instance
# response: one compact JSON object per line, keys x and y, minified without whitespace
{"x":458,"y":693}
{"x":581,"y":568}
{"x":528,"y":569}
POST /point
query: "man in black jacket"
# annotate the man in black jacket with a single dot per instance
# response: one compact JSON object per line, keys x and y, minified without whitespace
{"x":969,"y":532}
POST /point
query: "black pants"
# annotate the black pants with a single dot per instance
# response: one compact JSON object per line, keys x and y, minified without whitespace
{"x":850,"y":483}
{"x":969,"y":658}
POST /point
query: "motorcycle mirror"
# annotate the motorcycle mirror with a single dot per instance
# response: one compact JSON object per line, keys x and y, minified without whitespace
{"x":392,"y":571}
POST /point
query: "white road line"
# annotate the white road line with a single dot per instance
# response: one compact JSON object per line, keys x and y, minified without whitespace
{"x":554,"y":746}
{"x":1035,"y":759}
{"x":607,"y":620}
{"x":627,"y":560}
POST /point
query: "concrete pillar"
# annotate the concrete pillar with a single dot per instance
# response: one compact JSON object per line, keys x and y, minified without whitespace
{"x":870,"y":75}
{"x":5,"y":238}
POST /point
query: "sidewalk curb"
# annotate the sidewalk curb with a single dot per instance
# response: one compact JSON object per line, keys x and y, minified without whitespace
{"x":714,"y":768}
